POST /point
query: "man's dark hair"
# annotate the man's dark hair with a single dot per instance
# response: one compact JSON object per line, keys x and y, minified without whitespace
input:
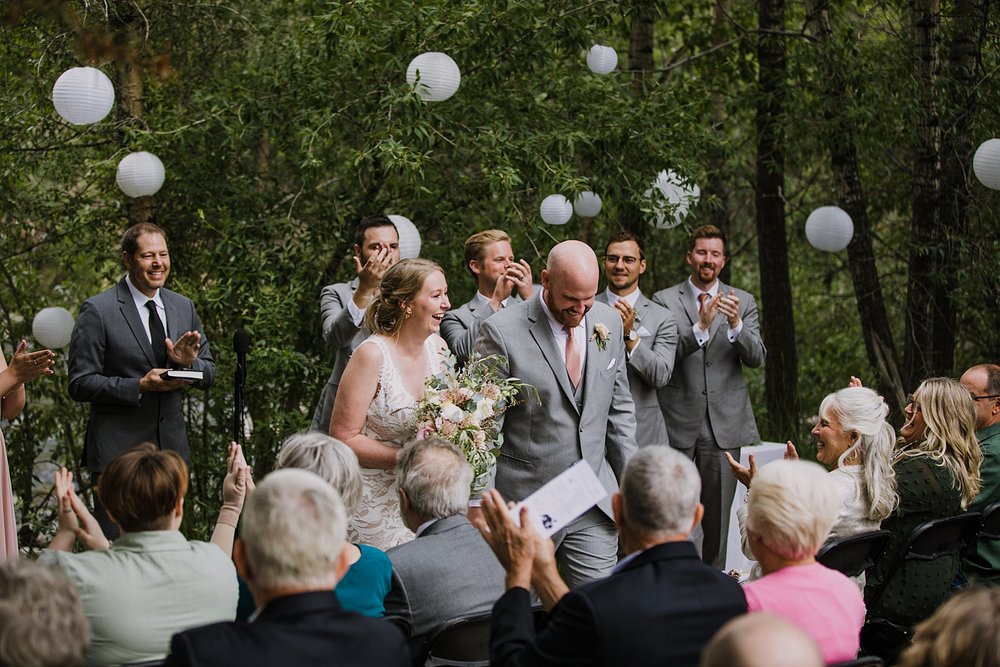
{"x":623,"y":237}
{"x":371,"y":222}
{"x":707,"y":232}
{"x":130,"y":239}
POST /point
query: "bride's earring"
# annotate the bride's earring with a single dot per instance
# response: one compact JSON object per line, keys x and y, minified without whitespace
{"x":408,"y":313}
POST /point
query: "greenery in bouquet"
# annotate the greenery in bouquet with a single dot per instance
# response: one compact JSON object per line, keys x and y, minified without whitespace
{"x":464,"y":404}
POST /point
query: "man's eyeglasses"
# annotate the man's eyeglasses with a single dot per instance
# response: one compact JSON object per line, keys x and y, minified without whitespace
{"x":984,"y":397}
{"x":912,"y":401}
{"x":628,"y":261}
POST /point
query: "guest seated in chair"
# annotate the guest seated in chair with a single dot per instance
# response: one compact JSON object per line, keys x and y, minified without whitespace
{"x":937,"y":475}
{"x":447,"y":572}
{"x":660,"y":606}
{"x":761,"y":640}
{"x":792,"y":506}
{"x":291,"y":554}
{"x":366,"y":582}
{"x":152,"y":582}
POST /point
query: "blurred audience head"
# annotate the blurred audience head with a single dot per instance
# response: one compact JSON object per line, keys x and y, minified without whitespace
{"x":792,"y":507}
{"x":42,"y":623}
{"x":659,"y":497}
{"x":433,"y":479}
{"x":292,"y":534}
{"x":941,"y":424}
{"x":963,"y":631}
{"x":401,"y":284}
{"x":983,"y":383}
{"x":861,"y":417}
{"x":327,"y":457}
{"x":143,"y":488}
{"x":761,"y":640}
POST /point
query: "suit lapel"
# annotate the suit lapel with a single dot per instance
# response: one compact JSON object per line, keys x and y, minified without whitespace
{"x":131,"y":315}
{"x":542,"y":333}
{"x":596,"y":358}
{"x":687,"y":298}
{"x":174,"y":330}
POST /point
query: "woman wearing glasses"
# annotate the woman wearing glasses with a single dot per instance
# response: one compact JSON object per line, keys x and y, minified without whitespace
{"x":937,"y":474}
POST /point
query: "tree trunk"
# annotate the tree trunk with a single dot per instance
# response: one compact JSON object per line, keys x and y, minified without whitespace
{"x":717,"y":185}
{"x":777,"y":321}
{"x":640,"y":64}
{"x":960,"y":80}
{"x":875,"y":326}
{"x":921,"y":315}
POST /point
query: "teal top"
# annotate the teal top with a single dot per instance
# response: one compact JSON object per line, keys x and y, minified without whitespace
{"x":982,"y":561}
{"x":362,"y":590}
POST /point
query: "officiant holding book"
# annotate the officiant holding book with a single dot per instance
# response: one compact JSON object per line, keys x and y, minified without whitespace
{"x":125,"y":340}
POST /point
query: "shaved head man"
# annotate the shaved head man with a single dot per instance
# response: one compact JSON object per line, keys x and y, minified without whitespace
{"x":761,"y":640}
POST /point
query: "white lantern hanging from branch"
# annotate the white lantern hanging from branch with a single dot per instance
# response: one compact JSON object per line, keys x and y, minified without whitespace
{"x":986,"y":163}
{"x":602,"y":59}
{"x":671,"y":198}
{"x":140,"y":174}
{"x":587,"y":204}
{"x":434,"y":76}
{"x":53,"y":327}
{"x":829,"y":228}
{"x":556,"y":210}
{"x":409,"y":237}
{"x":83,"y":95}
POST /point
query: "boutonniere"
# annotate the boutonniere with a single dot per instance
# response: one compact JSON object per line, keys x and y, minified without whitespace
{"x":635,"y":316}
{"x":601,"y":335}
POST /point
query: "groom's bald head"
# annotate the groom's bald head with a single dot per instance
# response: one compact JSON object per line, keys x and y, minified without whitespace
{"x":569,"y":281}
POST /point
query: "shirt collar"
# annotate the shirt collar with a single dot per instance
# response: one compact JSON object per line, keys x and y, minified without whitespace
{"x":556,"y":327}
{"x":630,"y":299}
{"x":485,"y":300}
{"x":424,"y":526}
{"x":713,"y":291}
{"x":139,"y":298}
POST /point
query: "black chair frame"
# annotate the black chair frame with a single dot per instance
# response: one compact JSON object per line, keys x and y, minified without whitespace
{"x":854,"y":554}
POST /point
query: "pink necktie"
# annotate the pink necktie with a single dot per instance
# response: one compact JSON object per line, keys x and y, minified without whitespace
{"x":573,"y":362}
{"x":702,"y":299}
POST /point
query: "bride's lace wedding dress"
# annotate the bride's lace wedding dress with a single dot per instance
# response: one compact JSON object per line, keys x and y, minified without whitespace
{"x":389,"y":420}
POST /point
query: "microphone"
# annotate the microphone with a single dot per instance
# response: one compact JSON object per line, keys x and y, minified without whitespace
{"x":241,"y":345}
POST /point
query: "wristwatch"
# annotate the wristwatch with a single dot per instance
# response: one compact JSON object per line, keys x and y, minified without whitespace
{"x":631,"y":335}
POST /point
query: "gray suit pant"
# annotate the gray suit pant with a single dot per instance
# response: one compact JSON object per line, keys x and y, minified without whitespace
{"x":718,"y":486}
{"x":587,"y":549}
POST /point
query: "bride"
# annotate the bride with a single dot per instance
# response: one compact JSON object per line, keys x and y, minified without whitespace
{"x":381,"y":386}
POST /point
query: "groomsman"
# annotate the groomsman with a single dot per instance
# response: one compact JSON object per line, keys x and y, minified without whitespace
{"x":342,"y":305}
{"x":706,"y":403}
{"x":572,"y":352}
{"x":501,"y":282}
{"x":650,"y":332}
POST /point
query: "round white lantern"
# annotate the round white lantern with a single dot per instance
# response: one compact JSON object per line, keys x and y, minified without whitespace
{"x":587,"y":204}
{"x":53,"y":327}
{"x":602,"y":59}
{"x":829,"y":228}
{"x":986,"y":164}
{"x":140,"y":174}
{"x":672,"y":198}
{"x":556,"y":210}
{"x":83,"y":95}
{"x":439,"y":76}
{"x":409,"y":237}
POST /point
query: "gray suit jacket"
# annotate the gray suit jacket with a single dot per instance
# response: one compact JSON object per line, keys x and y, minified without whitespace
{"x":460,"y":327}
{"x":544,"y":436}
{"x":108,"y":354}
{"x":340,"y":333}
{"x":447,"y":572}
{"x":711,"y":377}
{"x":649,"y":368}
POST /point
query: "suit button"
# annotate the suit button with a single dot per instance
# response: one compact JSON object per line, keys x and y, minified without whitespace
{"x":703,"y":392}
{"x":707,"y":364}
{"x":163,"y":420}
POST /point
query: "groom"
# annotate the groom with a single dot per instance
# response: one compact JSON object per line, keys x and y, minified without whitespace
{"x":572,"y":351}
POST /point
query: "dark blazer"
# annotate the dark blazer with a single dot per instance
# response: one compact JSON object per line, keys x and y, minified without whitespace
{"x":306,"y":629}
{"x":711,"y":377}
{"x":659,"y":608}
{"x":447,"y":572}
{"x":108,"y":354}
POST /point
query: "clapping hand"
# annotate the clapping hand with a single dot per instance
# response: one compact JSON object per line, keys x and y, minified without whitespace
{"x":370,"y":274}
{"x":26,"y":366}
{"x":513,"y":545}
{"x":743,"y":474}
{"x":729,"y":305}
{"x":74,"y":517}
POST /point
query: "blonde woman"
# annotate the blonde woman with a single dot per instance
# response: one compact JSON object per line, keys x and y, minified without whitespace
{"x":937,"y":474}
{"x":380,"y":388}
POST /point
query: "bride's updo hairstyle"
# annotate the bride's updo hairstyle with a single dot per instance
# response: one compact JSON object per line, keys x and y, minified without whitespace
{"x":400,"y":285}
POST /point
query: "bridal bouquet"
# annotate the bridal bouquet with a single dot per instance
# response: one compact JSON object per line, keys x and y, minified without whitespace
{"x":464,"y":405}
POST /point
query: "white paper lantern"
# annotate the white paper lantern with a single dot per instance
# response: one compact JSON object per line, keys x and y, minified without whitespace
{"x":83,"y":95}
{"x":672,"y":198}
{"x":986,"y":164}
{"x":439,"y":76}
{"x":409,"y":237}
{"x":140,"y":174}
{"x":602,"y":59}
{"x":829,"y":228}
{"x":53,"y":327}
{"x":587,"y":204}
{"x":556,"y":210}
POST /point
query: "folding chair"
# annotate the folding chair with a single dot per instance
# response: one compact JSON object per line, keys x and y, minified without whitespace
{"x":854,"y":554}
